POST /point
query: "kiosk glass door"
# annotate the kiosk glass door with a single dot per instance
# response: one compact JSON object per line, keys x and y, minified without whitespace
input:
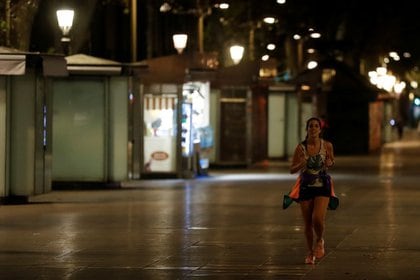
{"x":160,"y":128}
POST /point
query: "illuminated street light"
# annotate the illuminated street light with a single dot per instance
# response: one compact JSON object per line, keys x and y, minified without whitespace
{"x":394,"y":55}
{"x":381,"y":79}
{"x":222,"y":5}
{"x":165,"y":7}
{"x":253,"y":25}
{"x":301,"y":40}
{"x":201,"y":11}
{"x":315,"y":35}
{"x":271,"y":47}
{"x":65,"y":22}
{"x":312,"y":64}
{"x":180,"y":42}
{"x":406,"y":55}
{"x":270,"y":20}
{"x":265,"y":57}
{"x":236,"y":53}
{"x":297,"y":37}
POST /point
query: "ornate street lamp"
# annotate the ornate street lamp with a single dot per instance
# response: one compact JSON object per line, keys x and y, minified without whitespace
{"x":180,"y":42}
{"x":202,"y":10}
{"x":312,"y":64}
{"x":301,"y":39}
{"x":236,"y":53}
{"x":65,"y":22}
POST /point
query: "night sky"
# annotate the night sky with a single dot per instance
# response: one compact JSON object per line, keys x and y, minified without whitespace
{"x":363,"y":27}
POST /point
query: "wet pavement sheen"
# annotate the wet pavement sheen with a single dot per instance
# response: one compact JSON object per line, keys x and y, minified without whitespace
{"x":230,"y":225}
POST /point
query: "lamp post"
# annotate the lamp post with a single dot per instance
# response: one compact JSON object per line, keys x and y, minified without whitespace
{"x":253,"y":26}
{"x":201,"y":11}
{"x":301,"y":39}
{"x":65,"y":22}
{"x":133,"y":30}
{"x":180,"y":42}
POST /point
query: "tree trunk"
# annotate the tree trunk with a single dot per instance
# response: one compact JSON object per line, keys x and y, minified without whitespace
{"x":19,"y":18}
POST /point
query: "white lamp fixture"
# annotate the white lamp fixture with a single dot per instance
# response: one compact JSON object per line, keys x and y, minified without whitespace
{"x":265,"y":57}
{"x":297,"y":37}
{"x":224,"y":6}
{"x":315,"y":35}
{"x":270,"y":20}
{"x":312,"y":64}
{"x":65,"y":20}
{"x":271,"y":47}
{"x":180,"y":42}
{"x":166,"y":7}
{"x":236,"y":53}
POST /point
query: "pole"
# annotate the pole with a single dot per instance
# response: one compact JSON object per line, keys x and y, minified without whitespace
{"x":65,"y":44}
{"x":202,"y":10}
{"x":133,"y":30}
{"x":201,"y":32}
{"x":251,"y":42}
{"x":299,"y":55}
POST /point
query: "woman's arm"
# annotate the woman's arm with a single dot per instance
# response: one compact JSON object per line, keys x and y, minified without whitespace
{"x":299,"y":160}
{"x":329,"y":160}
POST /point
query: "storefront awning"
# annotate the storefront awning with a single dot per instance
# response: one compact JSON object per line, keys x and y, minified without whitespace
{"x":177,"y":69}
{"x":136,"y":68}
{"x":15,"y":62}
{"x":89,"y":65}
{"x":152,"y":102}
{"x":12,"y":62}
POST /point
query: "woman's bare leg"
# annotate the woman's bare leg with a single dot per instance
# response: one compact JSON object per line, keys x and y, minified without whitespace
{"x":318,"y":220}
{"x":307,"y":208}
{"x":318,"y":217}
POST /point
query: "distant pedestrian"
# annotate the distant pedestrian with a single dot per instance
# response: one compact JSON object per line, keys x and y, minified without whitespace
{"x":313,"y":190}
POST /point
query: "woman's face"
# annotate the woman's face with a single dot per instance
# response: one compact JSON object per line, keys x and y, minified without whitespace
{"x":314,"y":128}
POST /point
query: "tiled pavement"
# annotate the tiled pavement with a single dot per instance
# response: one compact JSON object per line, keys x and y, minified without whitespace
{"x":227,"y":226}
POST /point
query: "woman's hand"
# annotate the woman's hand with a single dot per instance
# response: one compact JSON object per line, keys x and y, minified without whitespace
{"x":299,"y":161}
{"x":329,"y":162}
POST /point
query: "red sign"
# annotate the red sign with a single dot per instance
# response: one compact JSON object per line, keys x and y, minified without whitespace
{"x":159,"y":155}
